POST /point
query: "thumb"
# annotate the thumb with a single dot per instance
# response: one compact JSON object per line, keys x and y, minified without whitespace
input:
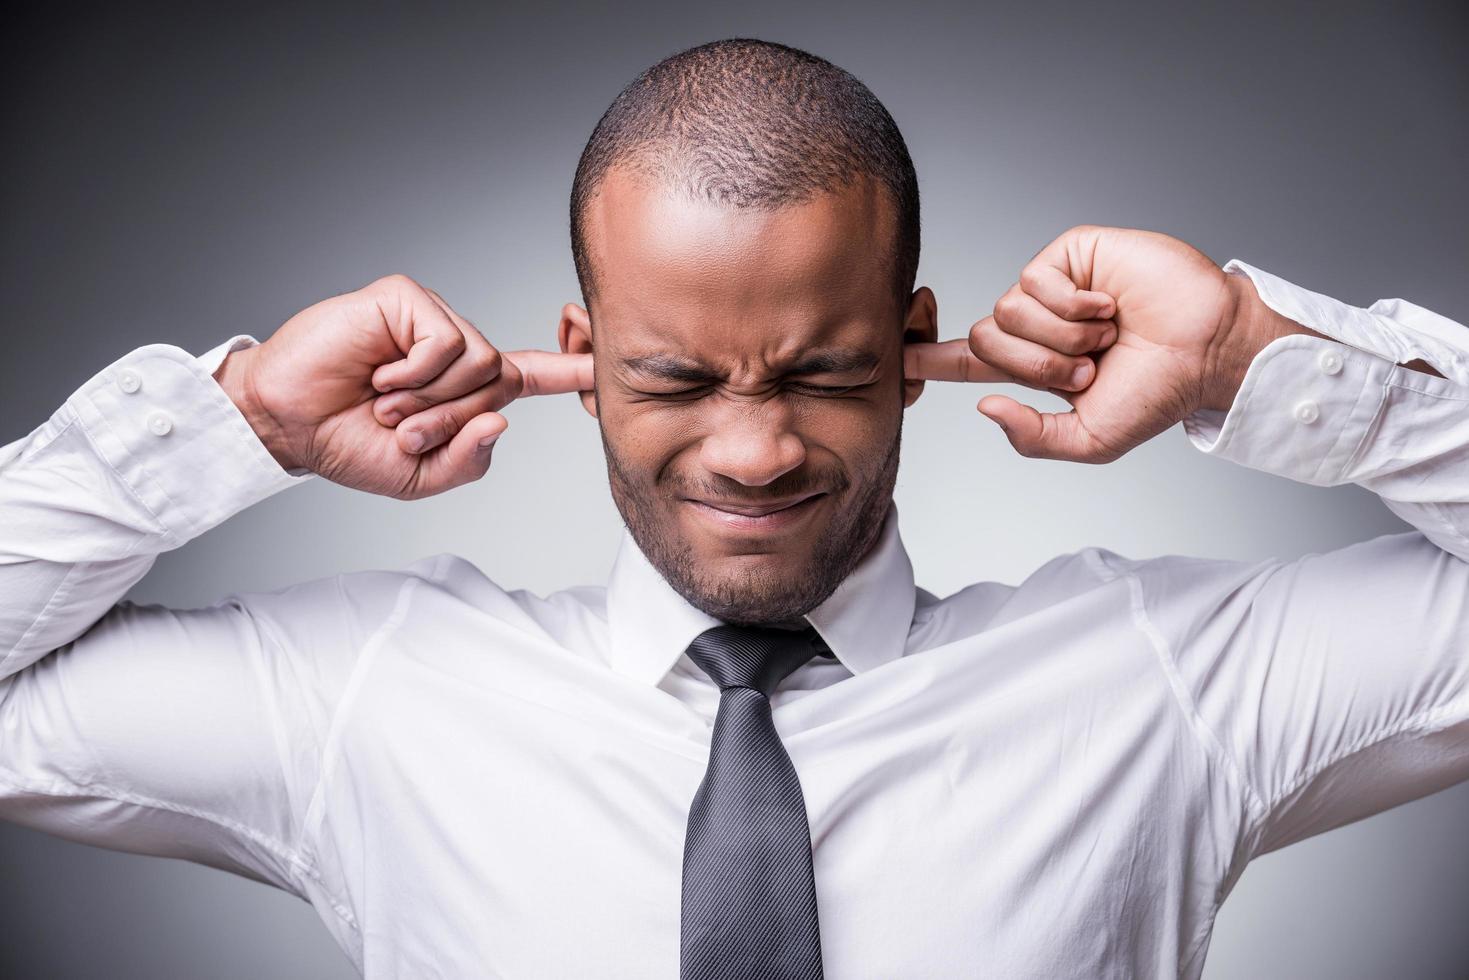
{"x":462,"y":459}
{"x":1042,"y":435}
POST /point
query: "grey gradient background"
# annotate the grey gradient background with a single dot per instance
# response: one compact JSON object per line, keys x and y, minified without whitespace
{"x":181,"y":177}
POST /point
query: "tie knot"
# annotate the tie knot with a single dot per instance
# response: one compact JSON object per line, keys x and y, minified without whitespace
{"x":757,"y":657}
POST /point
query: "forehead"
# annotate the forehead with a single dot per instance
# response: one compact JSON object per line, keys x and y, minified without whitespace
{"x":675,"y":270}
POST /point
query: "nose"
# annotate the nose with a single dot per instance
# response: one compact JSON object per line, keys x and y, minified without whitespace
{"x":753,"y":442}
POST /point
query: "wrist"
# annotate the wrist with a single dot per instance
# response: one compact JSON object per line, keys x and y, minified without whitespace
{"x":235,"y":377}
{"x":1247,"y":327}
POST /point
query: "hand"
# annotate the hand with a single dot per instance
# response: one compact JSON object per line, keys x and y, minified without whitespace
{"x":1136,"y":330}
{"x":388,"y":390}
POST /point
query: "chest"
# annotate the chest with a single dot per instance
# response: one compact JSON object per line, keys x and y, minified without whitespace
{"x":481,"y":825}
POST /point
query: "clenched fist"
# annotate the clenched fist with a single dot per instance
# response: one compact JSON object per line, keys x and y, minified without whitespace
{"x":388,"y":390}
{"x":1136,"y":330}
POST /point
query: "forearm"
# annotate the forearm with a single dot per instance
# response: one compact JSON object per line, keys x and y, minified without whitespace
{"x":63,"y":563}
{"x":144,"y":456}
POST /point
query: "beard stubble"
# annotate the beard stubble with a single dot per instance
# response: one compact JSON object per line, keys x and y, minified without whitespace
{"x":753,"y":598}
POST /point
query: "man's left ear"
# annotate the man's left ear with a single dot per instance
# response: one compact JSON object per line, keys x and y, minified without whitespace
{"x":920,"y":326}
{"x":575,"y":334}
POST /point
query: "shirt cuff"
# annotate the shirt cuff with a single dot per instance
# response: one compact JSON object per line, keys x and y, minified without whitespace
{"x":1302,"y":411}
{"x":1306,"y":404}
{"x":164,"y":425}
{"x":211,"y":359}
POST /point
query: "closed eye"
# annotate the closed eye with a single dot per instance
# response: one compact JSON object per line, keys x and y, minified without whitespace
{"x":799,"y":387}
{"x":824,"y":390}
{"x":681,"y":394}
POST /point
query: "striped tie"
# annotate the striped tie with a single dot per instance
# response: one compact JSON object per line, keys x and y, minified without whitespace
{"x":749,"y":896}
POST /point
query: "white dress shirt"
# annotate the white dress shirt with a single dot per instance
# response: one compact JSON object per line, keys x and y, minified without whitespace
{"x":1061,"y":778}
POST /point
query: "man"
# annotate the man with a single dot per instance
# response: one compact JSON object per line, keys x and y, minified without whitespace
{"x":761,"y":750}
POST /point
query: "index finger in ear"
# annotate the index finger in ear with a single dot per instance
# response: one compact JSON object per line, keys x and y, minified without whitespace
{"x":1050,"y":278}
{"x":545,"y":372}
{"x":950,"y":360}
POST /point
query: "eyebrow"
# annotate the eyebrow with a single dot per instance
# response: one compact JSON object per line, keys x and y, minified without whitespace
{"x":673,"y":368}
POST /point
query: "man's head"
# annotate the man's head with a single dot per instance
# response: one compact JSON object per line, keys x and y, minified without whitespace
{"x":745,"y":228}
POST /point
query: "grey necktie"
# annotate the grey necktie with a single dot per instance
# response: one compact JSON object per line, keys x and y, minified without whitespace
{"x":749,"y":896}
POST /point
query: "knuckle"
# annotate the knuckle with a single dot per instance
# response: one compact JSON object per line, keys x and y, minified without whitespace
{"x":427,"y":428}
{"x":392,"y":408}
{"x":414,"y":401}
{"x":1077,"y":341}
{"x":1030,"y":278}
{"x":443,"y":425}
{"x":489,"y":362}
{"x":514,"y":379}
{"x":981,"y":342}
{"x":1045,"y":368}
{"x":1007,"y":307}
{"x":396,"y":281}
{"x":496,"y":396}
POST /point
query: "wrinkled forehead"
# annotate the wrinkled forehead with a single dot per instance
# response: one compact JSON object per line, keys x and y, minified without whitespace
{"x":676,"y":270}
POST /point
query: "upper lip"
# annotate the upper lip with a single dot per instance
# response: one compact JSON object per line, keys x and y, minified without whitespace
{"x":756,"y":510}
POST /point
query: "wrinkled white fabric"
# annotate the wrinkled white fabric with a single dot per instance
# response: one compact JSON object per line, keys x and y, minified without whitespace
{"x":1061,"y":778}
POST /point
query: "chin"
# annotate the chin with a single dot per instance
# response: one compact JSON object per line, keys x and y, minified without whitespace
{"x":775,"y":571}
{"x":753,"y":589}
{"x":719,"y":559}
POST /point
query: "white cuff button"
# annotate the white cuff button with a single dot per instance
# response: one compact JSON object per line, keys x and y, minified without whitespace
{"x":129,"y":380}
{"x":1307,"y":411}
{"x":1329,"y":362}
{"x":160,"y":424}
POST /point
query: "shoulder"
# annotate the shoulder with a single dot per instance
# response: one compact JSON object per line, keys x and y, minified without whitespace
{"x":1088,"y":577}
{"x":987,"y":604}
{"x":355,"y":604}
{"x":446,"y":585}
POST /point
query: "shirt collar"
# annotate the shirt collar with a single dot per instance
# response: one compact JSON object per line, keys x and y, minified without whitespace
{"x":865,"y":621}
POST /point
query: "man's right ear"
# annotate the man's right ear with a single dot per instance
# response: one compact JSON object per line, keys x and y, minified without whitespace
{"x":575,"y":334}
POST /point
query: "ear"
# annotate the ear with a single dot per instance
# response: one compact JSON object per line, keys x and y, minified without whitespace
{"x":920,"y":326}
{"x":575,"y":334}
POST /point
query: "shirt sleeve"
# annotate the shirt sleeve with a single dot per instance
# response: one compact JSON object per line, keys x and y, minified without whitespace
{"x":190,"y":733}
{"x":147,"y":454}
{"x":1344,"y":410}
{"x":1334,"y":686}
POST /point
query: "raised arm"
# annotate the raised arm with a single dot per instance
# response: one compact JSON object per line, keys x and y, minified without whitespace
{"x":385,"y":389}
{"x":1139,"y":332}
{"x":1328,"y":687}
{"x":189,"y":732}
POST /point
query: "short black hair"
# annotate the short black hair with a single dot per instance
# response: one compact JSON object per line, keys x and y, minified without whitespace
{"x":752,"y":124}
